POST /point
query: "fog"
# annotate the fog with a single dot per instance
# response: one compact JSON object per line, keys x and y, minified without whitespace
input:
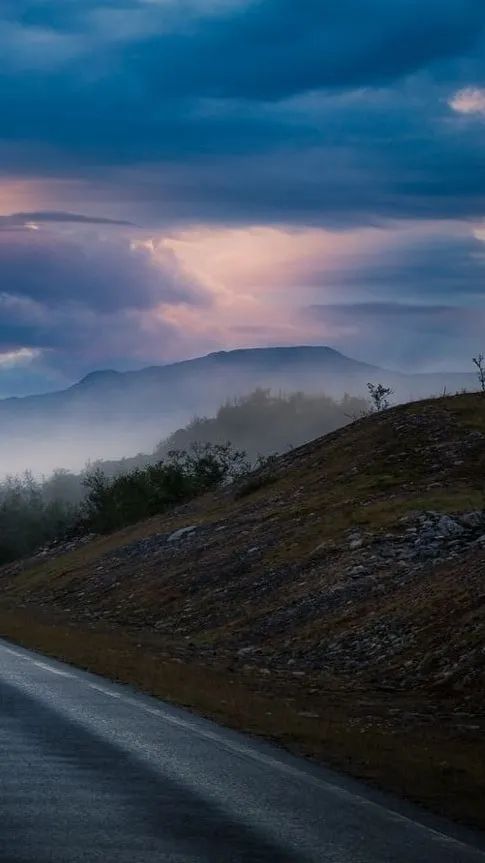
{"x":111,"y":415}
{"x":75,"y":443}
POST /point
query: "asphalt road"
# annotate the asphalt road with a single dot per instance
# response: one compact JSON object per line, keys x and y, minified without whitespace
{"x":90,"y":770}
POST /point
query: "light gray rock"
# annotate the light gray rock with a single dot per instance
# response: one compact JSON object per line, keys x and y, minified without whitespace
{"x":181,"y":532}
{"x":355,"y":543}
{"x":245,"y":650}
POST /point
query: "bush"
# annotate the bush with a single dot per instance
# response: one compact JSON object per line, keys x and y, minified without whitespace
{"x":114,"y":503}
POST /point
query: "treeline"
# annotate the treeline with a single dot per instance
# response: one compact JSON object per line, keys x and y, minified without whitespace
{"x":263,"y":423}
{"x":111,"y":494}
{"x":34,"y":513}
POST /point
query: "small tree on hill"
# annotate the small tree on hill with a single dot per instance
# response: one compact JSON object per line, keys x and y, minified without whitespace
{"x":379,"y":396}
{"x":479,"y":361}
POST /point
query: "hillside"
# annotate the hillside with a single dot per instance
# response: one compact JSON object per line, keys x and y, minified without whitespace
{"x":110,"y":414}
{"x":334,"y":601}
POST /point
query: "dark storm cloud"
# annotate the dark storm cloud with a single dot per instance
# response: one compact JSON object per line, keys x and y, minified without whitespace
{"x":334,"y":186}
{"x":193,"y":92}
{"x":277,"y":48}
{"x":439,"y":267}
{"x":261,"y":50}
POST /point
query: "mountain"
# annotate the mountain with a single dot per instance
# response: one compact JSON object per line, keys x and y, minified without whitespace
{"x":110,"y":414}
{"x":333,"y":601}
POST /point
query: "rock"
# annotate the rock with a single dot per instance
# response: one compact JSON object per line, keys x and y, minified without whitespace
{"x":432,"y":550}
{"x":356,"y":543}
{"x":472,"y":519}
{"x":181,"y":532}
{"x":388,"y":551}
{"x":358,"y":571}
{"x":449,"y":526}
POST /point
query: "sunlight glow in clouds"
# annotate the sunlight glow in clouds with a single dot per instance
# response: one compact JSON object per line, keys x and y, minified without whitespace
{"x":470,"y":100}
{"x":17,"y":195}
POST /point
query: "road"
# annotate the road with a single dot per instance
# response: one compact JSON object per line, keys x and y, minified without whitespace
{"x":91,"y":770}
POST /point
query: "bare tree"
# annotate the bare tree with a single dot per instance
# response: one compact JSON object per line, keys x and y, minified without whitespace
{"x":479,"y":361}
{"x":379,"y":396}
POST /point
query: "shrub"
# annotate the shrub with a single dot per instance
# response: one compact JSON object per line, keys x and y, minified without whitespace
{"x":114,"y":503}
{"x":379,"y":396}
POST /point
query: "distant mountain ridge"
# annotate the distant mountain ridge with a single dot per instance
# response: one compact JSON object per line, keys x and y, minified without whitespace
{"x":110,"y":413}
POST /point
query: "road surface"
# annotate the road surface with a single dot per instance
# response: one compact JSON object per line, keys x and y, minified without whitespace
{"x":91,"y":770}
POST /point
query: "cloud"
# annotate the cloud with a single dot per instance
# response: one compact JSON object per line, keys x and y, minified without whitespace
{"x":77,"y":301}
{"x":211,"y":114}
{"x":437,"y":264}
{"x":470,"y":100}
{"x":100,"y":272}
{"x":405,"y":335}
{"x":415,"y":301}
{"x":276,"y":48}
{"x":10,"y":359}
{"x":252,"y":111}
{"x":266,"y":49}
{"x":29,"y":221}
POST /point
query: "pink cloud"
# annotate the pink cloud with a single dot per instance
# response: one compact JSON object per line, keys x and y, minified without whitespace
{"x":470,"y":100}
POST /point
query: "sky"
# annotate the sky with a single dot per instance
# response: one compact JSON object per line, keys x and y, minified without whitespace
{"x":184,"y":176}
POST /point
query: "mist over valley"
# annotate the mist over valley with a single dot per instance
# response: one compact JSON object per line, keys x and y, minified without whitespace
{"x":110,"y":415}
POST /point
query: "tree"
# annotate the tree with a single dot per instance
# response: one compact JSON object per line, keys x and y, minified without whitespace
{"x":479,"y":361}
{"x":379,"y":396}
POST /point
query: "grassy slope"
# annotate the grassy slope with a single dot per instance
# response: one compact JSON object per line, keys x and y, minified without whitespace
{"x":266,"y":574}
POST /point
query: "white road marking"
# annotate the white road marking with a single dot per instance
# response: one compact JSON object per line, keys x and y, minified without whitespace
{"x":104,"y":690}
{"x":14,"y":652}
{"x":46,"y":667}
